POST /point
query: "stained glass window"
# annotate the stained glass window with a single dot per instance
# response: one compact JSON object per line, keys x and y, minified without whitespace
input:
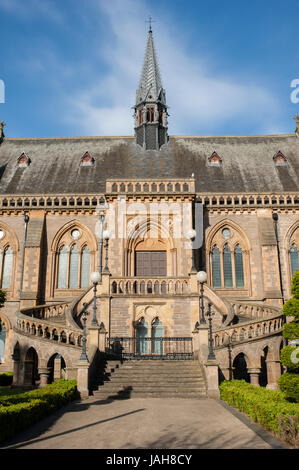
{"x":85,"y":267}
{"x":216,"y":267}
{"x":7,"y":268}
{"x":227,"y":267}
{"x":74,"y":266}
{"x":62,"y":268}
{"x":294,"y":259}
{"x":239,"y":266}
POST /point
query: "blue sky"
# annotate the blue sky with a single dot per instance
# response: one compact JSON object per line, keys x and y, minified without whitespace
{"x":72,"y":67}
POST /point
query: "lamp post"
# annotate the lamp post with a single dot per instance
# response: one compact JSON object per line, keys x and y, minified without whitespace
{"x":103,"y":206}
{"x":95,"y":279}
{"x":202,"y":278}
{"x":211,"y":356}
{"x":106,"y":235}
{"x":191,"y":234}
{"x":83,"y":356}
{"x":26,"y":220}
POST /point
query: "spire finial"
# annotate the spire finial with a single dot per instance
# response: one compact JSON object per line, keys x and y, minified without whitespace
{"x":150,"y":21}
{"x":297,"y":122}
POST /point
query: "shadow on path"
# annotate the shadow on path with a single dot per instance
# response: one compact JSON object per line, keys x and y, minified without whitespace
{"x":30,"y":440}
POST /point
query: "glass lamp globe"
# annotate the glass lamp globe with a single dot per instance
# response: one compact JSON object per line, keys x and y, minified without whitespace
{"x":191,"y":233}
{"x":106,"y":234}
{"x":202,"y":276}
{"x":95,"y":277}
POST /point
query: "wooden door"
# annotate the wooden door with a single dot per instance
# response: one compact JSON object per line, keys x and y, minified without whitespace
{"x":150,"y":263}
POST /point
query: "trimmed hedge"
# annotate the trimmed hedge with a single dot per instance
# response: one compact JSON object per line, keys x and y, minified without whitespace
{"x":17,"y":412}
{"x":269,"y":408}
{"x":285,"y":358}
{"x":289,"y":385}
{"x":6,"y":378}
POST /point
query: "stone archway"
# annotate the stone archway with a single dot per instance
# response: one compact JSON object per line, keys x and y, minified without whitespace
{"x":150,"y":236}
{"x":57,"y":368}
{"x":31,"y":375}
{"x":240,"y":367}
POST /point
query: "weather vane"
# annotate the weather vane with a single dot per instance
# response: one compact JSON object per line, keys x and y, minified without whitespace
{"x":150,"y":21}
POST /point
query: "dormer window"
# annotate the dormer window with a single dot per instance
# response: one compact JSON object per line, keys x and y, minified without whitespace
{"x":280,"y":159}
{"x":23,"y":161}
{"x":214,"y":159}
{"x":87,"y":160}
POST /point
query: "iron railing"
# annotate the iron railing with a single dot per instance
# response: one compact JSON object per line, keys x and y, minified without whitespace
{"x":179,"y":348}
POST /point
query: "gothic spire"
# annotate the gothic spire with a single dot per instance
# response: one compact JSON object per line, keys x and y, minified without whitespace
{"x":150,"y":84}
{"x":150,"y":108}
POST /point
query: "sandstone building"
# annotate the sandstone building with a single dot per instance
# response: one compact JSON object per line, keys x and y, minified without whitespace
{"x":239,"y":193}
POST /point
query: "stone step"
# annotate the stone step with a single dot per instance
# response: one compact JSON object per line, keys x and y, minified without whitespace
{"x":171,"y":379}
{"x":161,"y":394}
{"x":151,"y":388}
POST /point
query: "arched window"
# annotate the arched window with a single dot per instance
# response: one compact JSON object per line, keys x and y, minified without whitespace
{"x":228,"y":258}
{"x":6,"y":267}
{"x":157,"y":333}
{"x":74,"y":266}
{"x":2,"y":341}
{"x":62,"y":268}
{"x":216,"y":269}
{"x":85,"y":267}
{"x":142,"y":346}
{"x":239,"y":270}
{"x":294,"y":259}
{"x":227,"y":267}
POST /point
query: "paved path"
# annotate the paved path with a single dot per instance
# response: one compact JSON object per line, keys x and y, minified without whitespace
{"x":140,"y":423}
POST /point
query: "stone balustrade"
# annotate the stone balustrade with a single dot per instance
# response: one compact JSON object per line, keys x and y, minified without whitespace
{"x":167,"y":187}
{"x":42,"y":329}
{"x":49,"y":202}
{"x":247,"y":331}
{"x":46,"y":311}
{"x":254,"y":311}
{"x":176,"y":185}
{"x":149,"y":285}
{"x":251,"y":200}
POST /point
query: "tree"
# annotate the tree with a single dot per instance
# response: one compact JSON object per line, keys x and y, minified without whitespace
{"x":289,"y":381}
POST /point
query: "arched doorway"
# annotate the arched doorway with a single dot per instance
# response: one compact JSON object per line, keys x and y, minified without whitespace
{"x":157,"y":334}
{"x":31,"y":375}
{"x":240,"y":368}
{"x":142,"y":346}
{"x":57,"y":366}
{"x":2,"y":341}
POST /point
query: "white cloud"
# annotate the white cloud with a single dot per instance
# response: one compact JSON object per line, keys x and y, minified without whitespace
{"x":195,"y":96}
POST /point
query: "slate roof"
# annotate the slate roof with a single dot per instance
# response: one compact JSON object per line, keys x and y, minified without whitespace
{"x":247,"y":163}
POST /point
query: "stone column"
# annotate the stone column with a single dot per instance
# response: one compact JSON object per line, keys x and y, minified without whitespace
{"x":195,"y":344}
{"x":44,"y":373}
{"x":102,"y":339}
{"x":82,"y":378}
{"x":94,"y":336}
{"x":273,"y":374}
{"x":57,"y":367}
{"x":16,"y":367}
{"x":203,"y":340}
{"x":212,"y":379}
{"x":254,"y":375}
